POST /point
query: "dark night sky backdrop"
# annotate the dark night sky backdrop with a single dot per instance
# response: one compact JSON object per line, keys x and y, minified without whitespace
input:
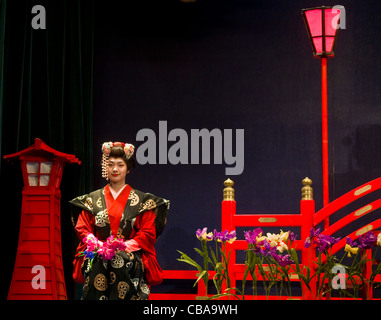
{"x":238,"y":65}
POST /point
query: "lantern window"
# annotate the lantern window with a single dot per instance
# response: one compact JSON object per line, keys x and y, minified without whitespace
{"x":322,"y":24}
{"x":38,"y":173}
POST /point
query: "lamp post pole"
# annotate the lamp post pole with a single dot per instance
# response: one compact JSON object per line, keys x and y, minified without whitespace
{"x":324,"y":119}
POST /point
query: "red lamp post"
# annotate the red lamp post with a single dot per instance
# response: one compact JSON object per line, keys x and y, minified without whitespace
{"x":322,"y":23}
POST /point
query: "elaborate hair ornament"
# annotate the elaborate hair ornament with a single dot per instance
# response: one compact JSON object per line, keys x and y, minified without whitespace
{"x":106,"y":150}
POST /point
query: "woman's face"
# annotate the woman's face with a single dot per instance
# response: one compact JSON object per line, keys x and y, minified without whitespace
{"x":117,"y":170}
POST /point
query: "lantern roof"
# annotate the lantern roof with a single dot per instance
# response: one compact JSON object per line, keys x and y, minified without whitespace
{"x":39,"y":145}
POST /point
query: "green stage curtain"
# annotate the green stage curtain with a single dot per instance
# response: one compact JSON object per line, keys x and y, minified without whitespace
{"x":46,"y":91}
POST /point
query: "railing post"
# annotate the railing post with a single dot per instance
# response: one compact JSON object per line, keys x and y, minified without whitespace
{"x":307,"y":211}
{"x":228,"y":211}
{"x":228,"y":206}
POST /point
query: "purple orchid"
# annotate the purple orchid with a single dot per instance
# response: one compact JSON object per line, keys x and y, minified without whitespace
{"x":325,"y":242}
{"x":200,"y":233}
{"x":307,"y":242}
{"x":283,"y":260}
{"x":367,"y":241}
{"x":351,"y":242}
{"x":292,"y":236}
{"x":251,"y":236}
{"x":313,"y":234}
{"x":268,"y":250}
{"x":204,"y":235}
{"x":225,"y":236}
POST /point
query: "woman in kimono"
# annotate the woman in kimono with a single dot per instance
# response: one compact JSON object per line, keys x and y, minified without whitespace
{"x":118,"y":227}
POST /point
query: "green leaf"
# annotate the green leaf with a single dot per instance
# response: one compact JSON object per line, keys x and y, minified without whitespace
{"x":204,"y":255}
{"x":218,"y":268}
{"x":185,"y":258}
{"x":200,"y":277}
{"x":213,"y":256}
{"x":217,"y":296}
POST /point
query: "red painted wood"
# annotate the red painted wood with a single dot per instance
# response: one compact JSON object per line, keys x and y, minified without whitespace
{"x":39,"y":244}
{"x":307,"y":219}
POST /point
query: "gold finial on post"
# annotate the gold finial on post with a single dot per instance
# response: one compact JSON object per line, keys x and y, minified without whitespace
{"x":307,"y":190}
{"x":228,"y":190}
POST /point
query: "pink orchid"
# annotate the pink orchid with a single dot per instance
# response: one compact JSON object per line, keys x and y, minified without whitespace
{"x":106,"y":253}
{"x":106,"y":250}
{"x":110,"y":247}
{"x":92,"y":242}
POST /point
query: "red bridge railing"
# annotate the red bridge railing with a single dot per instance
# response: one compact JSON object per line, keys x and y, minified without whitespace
{"x":231,"y":220}
{"x":305,"y":220}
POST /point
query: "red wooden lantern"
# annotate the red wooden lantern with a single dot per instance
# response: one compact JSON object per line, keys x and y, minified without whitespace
{"x":38,"y":271}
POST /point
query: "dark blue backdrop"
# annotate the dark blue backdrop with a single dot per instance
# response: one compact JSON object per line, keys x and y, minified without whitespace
{"x":237,"y":65}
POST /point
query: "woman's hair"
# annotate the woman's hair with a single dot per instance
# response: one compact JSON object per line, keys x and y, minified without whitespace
{"x":118,"y":152}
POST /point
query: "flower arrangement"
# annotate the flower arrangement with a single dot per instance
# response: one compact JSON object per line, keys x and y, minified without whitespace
{"x":323,"y":244}
{"x":273,"y":250}
{"x":355,"y":273}
{"x":105,"y":250}
{"x":272,"y":258}
{"x":220,"y":267}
